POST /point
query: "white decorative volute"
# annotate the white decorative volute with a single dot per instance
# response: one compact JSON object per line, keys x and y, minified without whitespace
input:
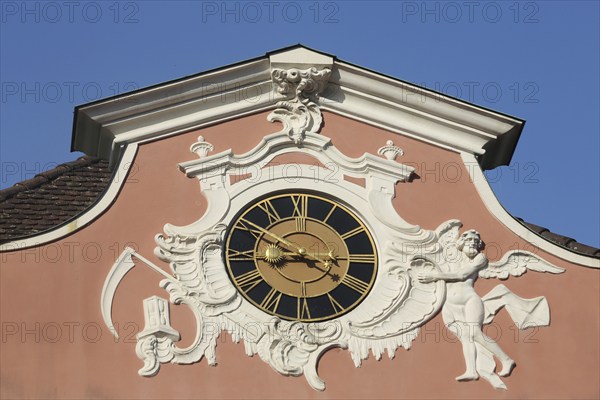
{"x":201,"y":147}
{"x":390,"y":151}
{"x":302,"y":84}
{"x":300,"y":113}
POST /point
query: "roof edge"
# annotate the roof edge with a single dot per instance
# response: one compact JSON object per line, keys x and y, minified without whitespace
{"x":557,"y":245}
{"x":103,"y":128}
{"x":46,"y":176}
{"x":74,"y":222}
{"x":563,"y":241}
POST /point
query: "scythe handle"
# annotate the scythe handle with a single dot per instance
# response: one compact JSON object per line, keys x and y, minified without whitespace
{"x":119,"y":269}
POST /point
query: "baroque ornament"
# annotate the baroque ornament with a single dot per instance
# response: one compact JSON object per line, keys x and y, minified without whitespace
{"x":201,"y":147}
{"x":249,"y":266}
{"x":300,"y":112}
{"x":390,"y":151}
{"x":420,"y":273}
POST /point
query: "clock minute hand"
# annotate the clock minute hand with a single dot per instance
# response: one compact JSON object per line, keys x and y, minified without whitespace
{"x":274,"y":236}
{"x":299,"y":250}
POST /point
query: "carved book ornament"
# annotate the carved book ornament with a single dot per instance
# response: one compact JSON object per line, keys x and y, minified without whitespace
{"x":294,"y":266}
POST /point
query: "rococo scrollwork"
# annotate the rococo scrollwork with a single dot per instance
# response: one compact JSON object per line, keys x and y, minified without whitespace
{"x":414,"y":273}
{"x":420,"y":272}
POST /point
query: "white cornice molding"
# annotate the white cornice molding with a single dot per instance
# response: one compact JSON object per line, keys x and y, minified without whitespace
{"x":420,"y":113}
{"x":316,"y":145}
{"x":300,"y":57}
{"x":496,"y":209}
{"x":104,"y":128}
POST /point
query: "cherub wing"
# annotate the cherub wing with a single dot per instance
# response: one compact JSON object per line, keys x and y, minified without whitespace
{"x":516,"y":263}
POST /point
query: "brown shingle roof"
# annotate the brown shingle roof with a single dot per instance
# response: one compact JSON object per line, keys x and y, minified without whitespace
{"x":56,"y":196}
{"x":51,"y":198}
{"x":563,"y":241}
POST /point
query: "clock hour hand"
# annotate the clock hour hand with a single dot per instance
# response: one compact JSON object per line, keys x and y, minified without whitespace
{"x":329,"y":255}
{"x":303,"y":253}
{"x":328,"y":260}
{"x":327,"y":264}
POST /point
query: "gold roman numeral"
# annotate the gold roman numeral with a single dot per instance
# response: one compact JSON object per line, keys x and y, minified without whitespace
{"x":303,"y":311}
{"x":353,"y":232}
{"x":355,"y":283}
{"x":303,"y":289}
{"x":245,"y":225}
{"x":362,"y":258}
{"x":300,"y":205}
{"x":271,"y":300}
{"x":300,"y":224}
{"x":300,"y":211}
{"x":337,"y":307}
{"x":235,"y":255}
{"x":247,"y":281}
{"x":329,"y":213}
{"x":271,"y":212}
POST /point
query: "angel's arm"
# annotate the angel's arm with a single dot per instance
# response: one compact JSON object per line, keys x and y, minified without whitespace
{"x":478,"y":263}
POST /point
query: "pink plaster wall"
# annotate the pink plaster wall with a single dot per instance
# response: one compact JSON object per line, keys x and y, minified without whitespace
{"x":55,"y":345}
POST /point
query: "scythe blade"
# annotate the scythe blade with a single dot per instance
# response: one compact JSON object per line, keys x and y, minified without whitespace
{"x":119,"y":269}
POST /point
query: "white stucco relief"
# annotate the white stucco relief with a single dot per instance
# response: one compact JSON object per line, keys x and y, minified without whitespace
{"x":201,"y":147}
{"x":300,"y":112}
{"x":390,"y":151}
{"x":465,"y":313}
{"x":421,"y":272}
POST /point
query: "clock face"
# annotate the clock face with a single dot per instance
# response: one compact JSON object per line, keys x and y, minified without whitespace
{"x":300,"y":256}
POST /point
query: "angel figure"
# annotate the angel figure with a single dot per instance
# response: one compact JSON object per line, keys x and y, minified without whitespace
{"x":464,"y":312}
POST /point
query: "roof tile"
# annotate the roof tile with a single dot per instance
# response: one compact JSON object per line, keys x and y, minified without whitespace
{"x":563,"y":241}
{"x":51,"y":198}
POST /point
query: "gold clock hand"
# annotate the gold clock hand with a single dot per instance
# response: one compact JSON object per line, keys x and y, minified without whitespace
{"x":328,"y":255}
{"x":273,"y":235}
{"x":300,"y":250}
{"x":327,"y":271}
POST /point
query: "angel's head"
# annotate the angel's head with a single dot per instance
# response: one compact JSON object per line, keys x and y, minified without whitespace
{"x":470,"y":242}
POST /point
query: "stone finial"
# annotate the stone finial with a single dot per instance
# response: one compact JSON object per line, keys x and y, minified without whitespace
{"x":390,"y":151}
{"x":201,"y":147}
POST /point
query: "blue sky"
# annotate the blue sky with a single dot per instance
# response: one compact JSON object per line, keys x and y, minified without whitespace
{"x":536,"y":60}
